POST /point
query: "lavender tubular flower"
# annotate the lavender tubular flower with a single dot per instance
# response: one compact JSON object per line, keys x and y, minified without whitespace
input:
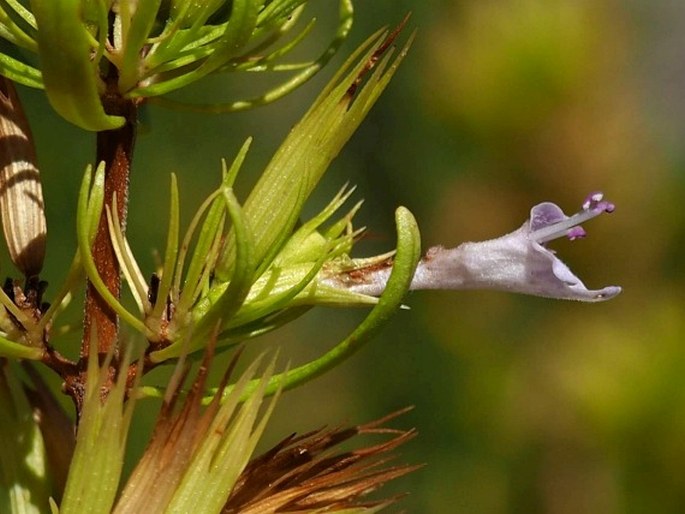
{"x":517,"y":262}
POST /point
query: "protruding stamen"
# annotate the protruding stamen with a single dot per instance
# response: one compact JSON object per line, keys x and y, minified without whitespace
{"x":593,"y":206}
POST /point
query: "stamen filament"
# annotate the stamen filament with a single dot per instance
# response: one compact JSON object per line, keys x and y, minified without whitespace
{"x":593,"y":206}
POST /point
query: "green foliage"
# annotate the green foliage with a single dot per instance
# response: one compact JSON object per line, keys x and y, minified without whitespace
{"x":96,"y":466}
{"x":24,"y":477}
{"x":259,"y":272}
{"x":155,"y":48}
{"x":69,"y":74}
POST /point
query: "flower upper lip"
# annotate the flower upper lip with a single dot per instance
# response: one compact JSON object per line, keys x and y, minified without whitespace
{"x":548,"y":221}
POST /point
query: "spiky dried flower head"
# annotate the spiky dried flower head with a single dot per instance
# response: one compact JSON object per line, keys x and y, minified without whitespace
{"x":204,"y":455}
{"x":305,"y":474}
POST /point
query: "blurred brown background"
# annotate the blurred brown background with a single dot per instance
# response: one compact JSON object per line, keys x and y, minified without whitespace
{"x":523,"y":404}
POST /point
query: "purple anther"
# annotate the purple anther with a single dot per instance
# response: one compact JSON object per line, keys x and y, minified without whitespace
{"x":595,"y":202}
{"x":592,"y":200}
{"x":548,"y":221}
{"x":607,"y":206}
{"x":576,"y":233}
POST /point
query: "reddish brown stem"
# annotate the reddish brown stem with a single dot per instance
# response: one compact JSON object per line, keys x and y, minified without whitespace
{"x":115,"y":149}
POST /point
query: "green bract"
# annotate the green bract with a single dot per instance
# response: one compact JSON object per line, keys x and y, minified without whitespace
{"x":240,"y":271}
{"x":155,"y":47}
{"x":100,"y":443}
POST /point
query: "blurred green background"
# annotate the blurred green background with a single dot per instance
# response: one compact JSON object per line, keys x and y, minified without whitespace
{"x":523,"y":404}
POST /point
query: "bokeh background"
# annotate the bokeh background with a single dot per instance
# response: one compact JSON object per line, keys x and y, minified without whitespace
{"x":522,"y":404}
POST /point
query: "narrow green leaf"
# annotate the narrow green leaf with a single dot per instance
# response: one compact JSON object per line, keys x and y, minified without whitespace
{"x":86,"y":215}
{"x":262,"y":326}
{"x":26,"y":15}
{"x":74,"y":279}
{"x":138,"y":28}
{"x":232,"y":173}
{"x":95,"y":197}
{"x":278,"y":291}
{"x":236,"y":34}
{"x":241,"y":280}
{"x":17,"y":36}
{"x":20,"y":72}
{"x":194,"y":12}
{"x":24,"y":480}
{"x":209,"y":232}
{"x":127,"y":262}
{"x":239,"y":28}
{"x":176,"y":40}
{"x":228,"y":303}
{"x":273,"y":94}
{"x":275,"y":202}
{"x":14,"y":350}
{"x":97,"y":463}
{"x":297,"y":249}
{"x":225,"y":450}
{"x":171,"y":252}
{"x":185,"y":245}
{"x":273,"y":32}
{"x":278,"y":9}
{"x":71,"y":80}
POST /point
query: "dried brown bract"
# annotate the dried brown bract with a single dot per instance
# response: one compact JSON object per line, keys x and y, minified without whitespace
{"x":302,"y":474}
{"x":21,"y":195}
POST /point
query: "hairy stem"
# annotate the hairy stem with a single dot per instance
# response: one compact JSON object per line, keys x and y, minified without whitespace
{"x":115,"y":148}
{"x":100,"y":322}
